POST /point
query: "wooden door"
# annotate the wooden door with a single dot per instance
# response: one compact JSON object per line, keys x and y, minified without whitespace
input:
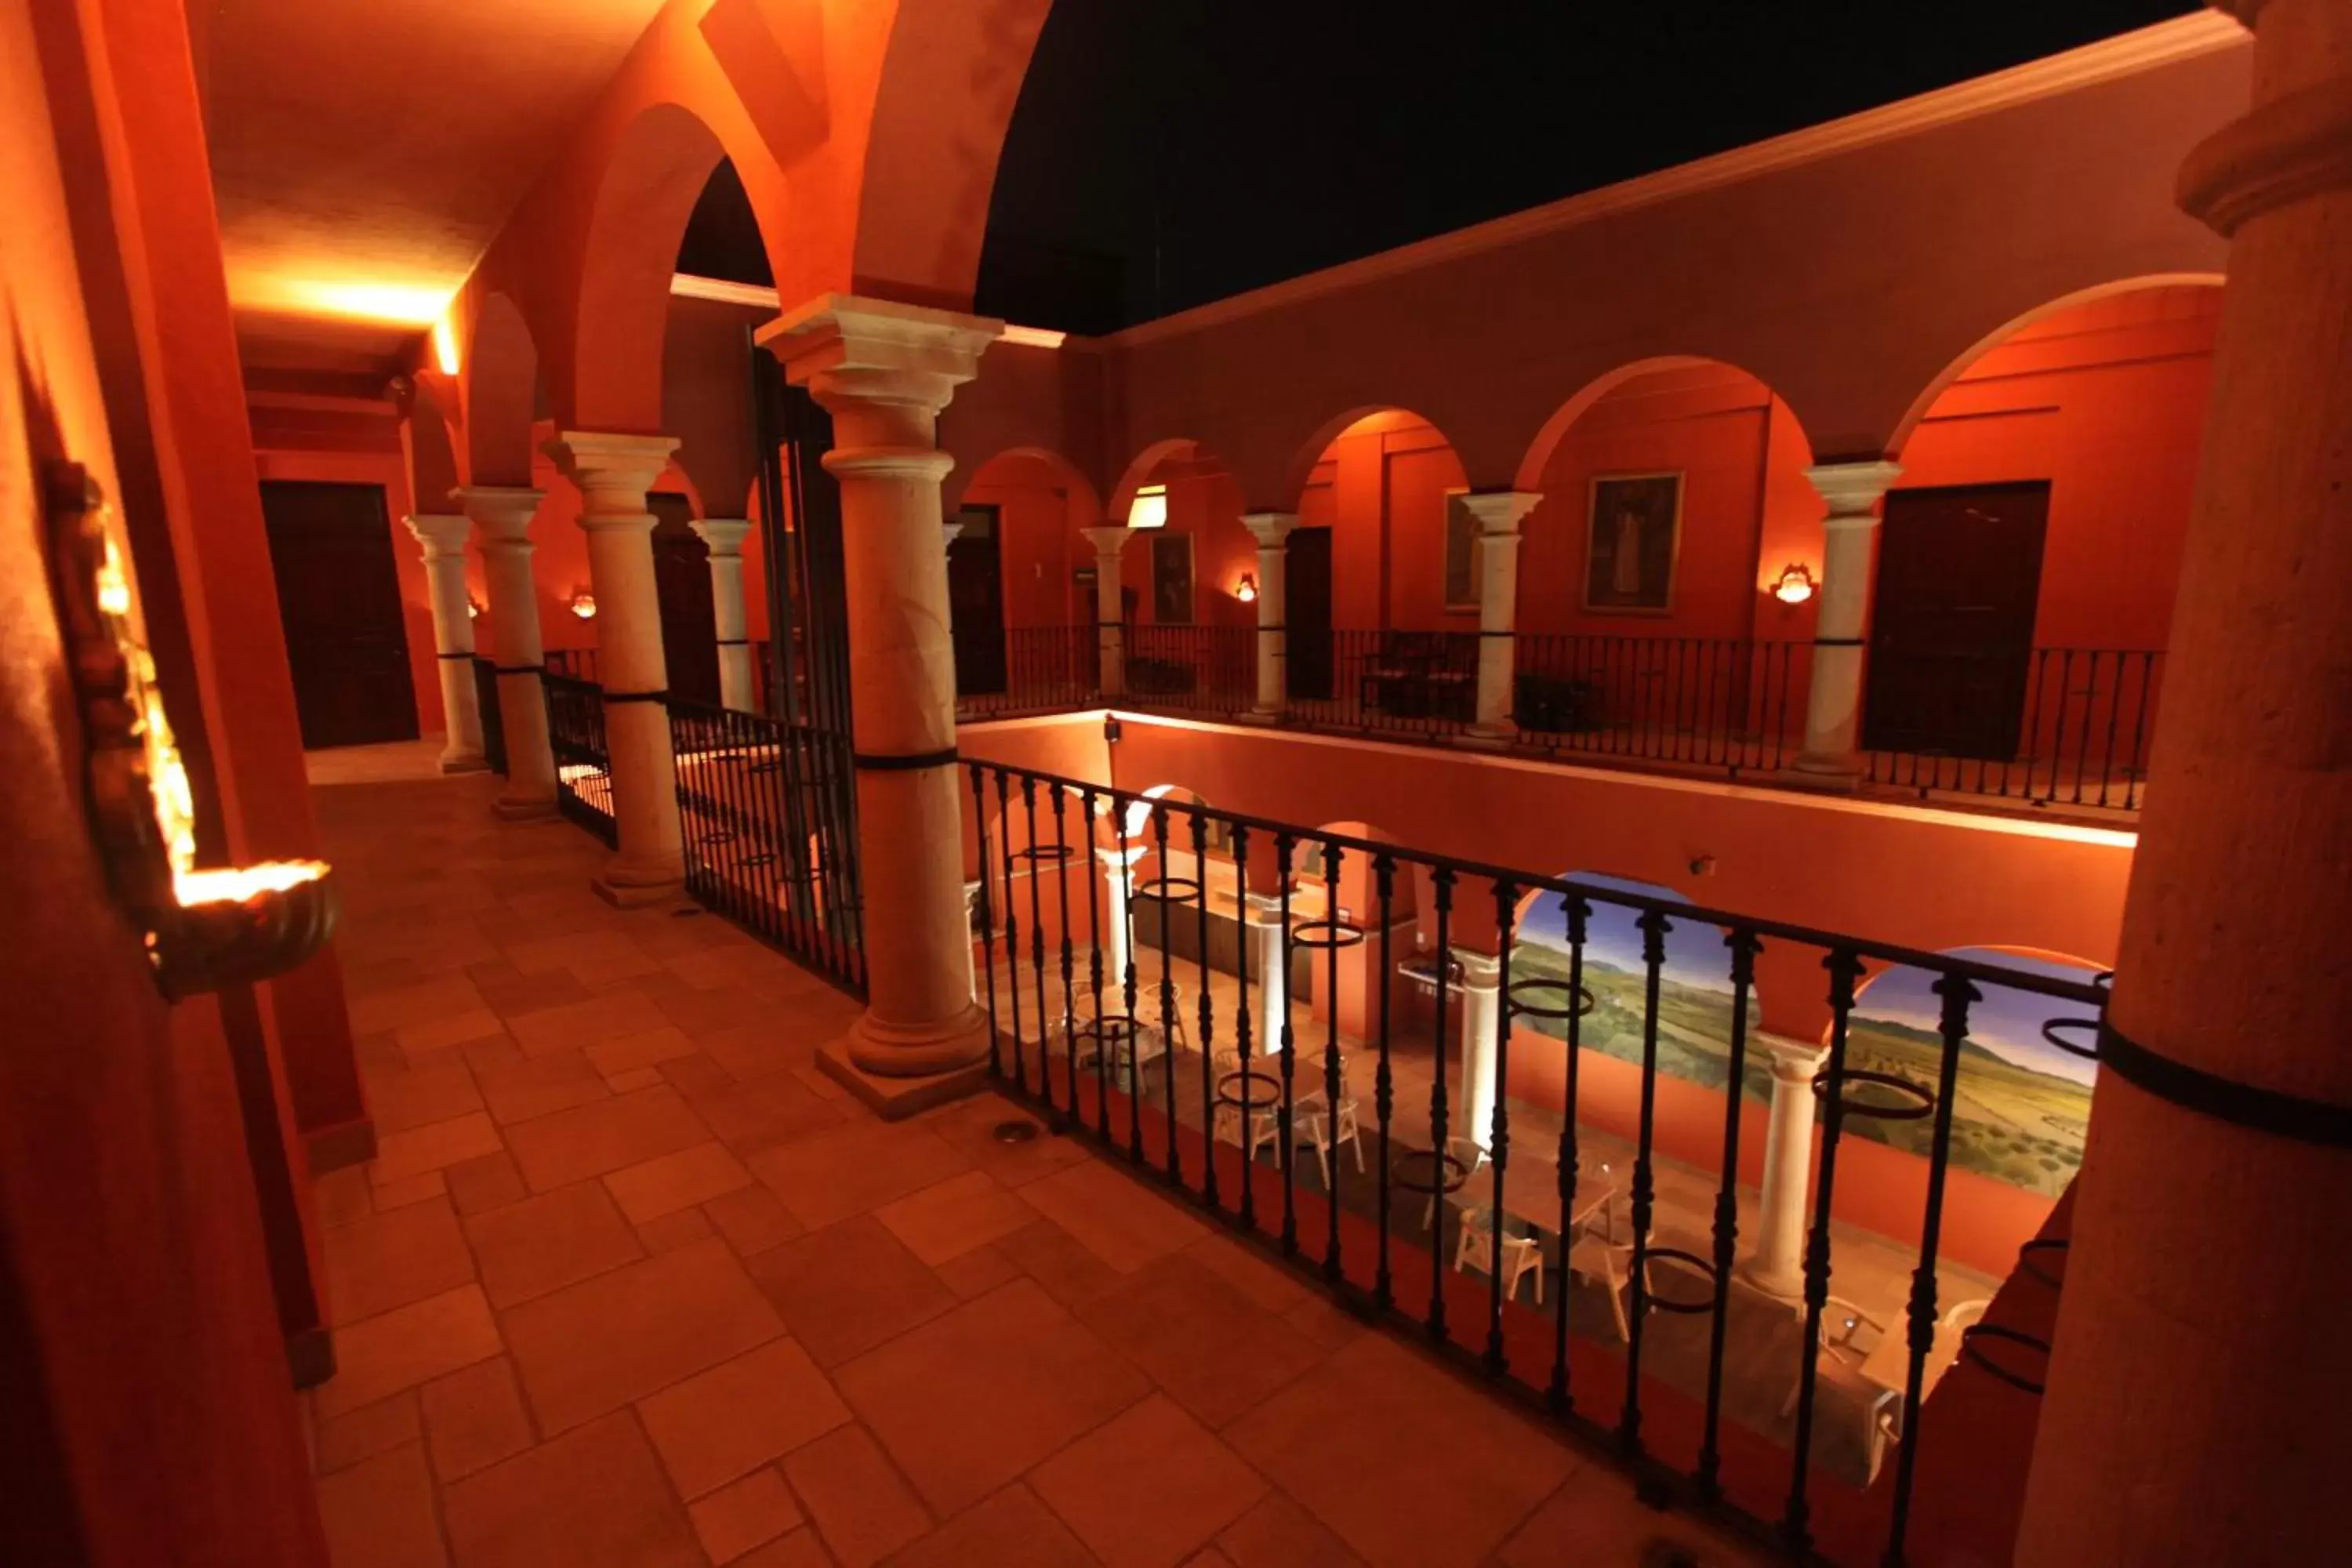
{"x":1307,"y":612}
{"x":339,"y":599}
{"x":976,"y":601}
{"x":682,"y":583}
{"x":1951,"y":641}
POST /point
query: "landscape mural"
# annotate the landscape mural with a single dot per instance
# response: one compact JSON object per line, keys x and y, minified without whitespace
{"x":2023,"y":1103}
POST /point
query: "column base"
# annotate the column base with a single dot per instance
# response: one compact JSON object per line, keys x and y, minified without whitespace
{"x":1788,"y":1288}
{"x":524,"y":810}
{"x":1483,"y":738}
{"x":1811,"y":771}
{"x":1258,"y":716}
{"x":464,"y":762}
{"x":344,"y":1144}
{"x":627,"y":887}
{"x":893,"y":1096}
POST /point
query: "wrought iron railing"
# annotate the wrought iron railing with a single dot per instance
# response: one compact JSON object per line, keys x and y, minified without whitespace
{"x":1392,"y":682}
{"x":2073,"y":727}
{"x":769,"y":842}
{"x":486,"y":702}
{"x":1200,"y":1077}
{"x":574,"y":663}
{"x":1030,"y":669}
{"x":1200,"y":669}
{"x":1718,"y":702}
{"x":583,"y":767}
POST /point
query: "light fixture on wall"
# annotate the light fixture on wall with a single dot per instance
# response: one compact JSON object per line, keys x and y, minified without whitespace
{"x":583,"y":605}
{"x":1247,"y":591}
{"x":204,"y":929}
{"x":1795,"y":585}
{"x":473,"y":608}
{"x":1149,"y":508}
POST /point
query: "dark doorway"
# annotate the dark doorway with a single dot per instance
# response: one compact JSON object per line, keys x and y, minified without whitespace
{"x":1959,"y":573}
{"x":339,"y":600}
{"x":1306,"y":613}
{"x":976,"y":602}
{"x":682,"y":582}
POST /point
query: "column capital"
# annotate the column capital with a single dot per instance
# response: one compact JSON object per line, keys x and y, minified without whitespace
{"x":613,"y":472}
{"x":443,"y":536}
{"x":1854,"y":490}
{"x":1269,"y":528}
{"x":1115,"y":858}
{"x":849,"y":349}
{"x":723,"y":534}
{"x":2287,"y":149}
{"x":1497,"y":512}
{"x":1793,"y":1061}
{"x":503,"y":513}
{"x":1480,"y":971}
{"x":1109,"y":539}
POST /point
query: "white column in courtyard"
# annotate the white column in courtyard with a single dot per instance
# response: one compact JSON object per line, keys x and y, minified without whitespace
{"x":725,"y":537}
{"x":1833,"y":703}
{"x":443,"y":539}
{"x":613,"y":473}
{"x":1271,"y":529}
{"x":1482,"y":978}
{"x":1110,"y":631}
{"x":1494,"y":563}
{"x":503,"y":513}
{"x":1776,"y":1265}
{"x":1270,"y":983}
{"x":884,"y":371}
{"x":1118,"y":916}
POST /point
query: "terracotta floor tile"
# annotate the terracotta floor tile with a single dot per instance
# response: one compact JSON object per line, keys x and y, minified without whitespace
{"x":862,"y":1166}
{"x":1125,"y":1222}
{"x":1069,"y":1270}
{"x":716,"y":968}
{"x":751,"y":1512}
{"x":635,"y":1078}
{"x":1149,"y":1486}
{"x":421,"y":1040}
{"x":581,"y":1024}
{"x":676,"y":1181}
{"x":969,"y":1400}
{"x":379,"y":1512}
{"x":751,"y":1220}
{"x":485,"y":1183}
{"x":738,"y":1415}
{"x":540,"y":1245}
{"x":507,"y":991}
{"x":1596,"y":1519}
{"x":969,"y":1127}
{"x":699,"y":1012}
{"x":758,"y":1046}
{"x":1278,"y":1533}
{"x":436,"y":1089}
{"x":1205,"y":1343}
{"x":1209,"y":1557}
{"x":538,"y":1086}
{"x":624,"y":1053}
{"x":748,"y":1117}
{"x":406,"y":1346}
{"x":1265,"y":1282}
{"x":532,"y":953}
{"x":594,"y":1498}
{"x":697,"y":1075}
{"x":1406,"y":1463}
{"x":567,"y":1146}
{"x":442,"y":996}
{"x":474,"y":1419}
{"x":859,"y":1503}
{"x":846,"y":1289}
{"x":344,"y":1195}
{"x":675,"y":1230}
{"x":497,"y":1050}
{"x":977,"y":1272}
{"x":948,"y":1220}
{"x":408,"y":1190}
{"x":597,"y":1345}
{"x":392,"y":1259}
{"x":1011,"y":1527}
{"x":799,"y":1549}
{"x":368,"y":1431}
{"x":431,"y":1147}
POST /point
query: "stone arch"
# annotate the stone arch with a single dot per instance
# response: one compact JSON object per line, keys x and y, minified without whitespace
{"x":1138,"y":471}
{"x":502,"y":394}
{"x":1540,"y":450}
{"x":428,"y":437}
{"x":1309,"y":453}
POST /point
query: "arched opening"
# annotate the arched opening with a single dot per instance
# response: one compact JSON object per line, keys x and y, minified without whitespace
{"x":1189,"y":632}
{"x":504,"y":396}
{"x":1021,"y":584}
{"x":1651,"y":618}
{"x":2029,"y":554}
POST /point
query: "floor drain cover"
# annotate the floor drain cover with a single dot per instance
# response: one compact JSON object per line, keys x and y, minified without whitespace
{"x":1015,"y":1131}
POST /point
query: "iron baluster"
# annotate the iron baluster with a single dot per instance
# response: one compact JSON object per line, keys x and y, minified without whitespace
{"x":1575,"y":910}
{"x":1031,"y":858}
{"x":1383,"y":1081}
{"x":1242,"y":1025}
{"x":1442,"y":890}
{"x":987,"y":922}
{"x":1166,"y":990}
{"x":1133,"y":1040}
{"x":1208,"y":1016}
{"x":1087,"y":807}
{"x":1498,"y":1124}
{"x":1070,"y":984}
{"x":1329,"y":1145}
{"x":1283,"y":846}
{"x":1654,"y":927}
{"x":1744,"y":946}
{"x":1012,"y":926}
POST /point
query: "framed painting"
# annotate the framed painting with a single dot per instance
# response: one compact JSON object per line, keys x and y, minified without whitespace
{"x":1171,"y":579}
{"x":1631,"y":536}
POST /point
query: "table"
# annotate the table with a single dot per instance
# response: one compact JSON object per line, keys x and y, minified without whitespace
{"x":1454,"y":1173}
{"x":1128,"y":1042}
{"x":1888,"y":1364}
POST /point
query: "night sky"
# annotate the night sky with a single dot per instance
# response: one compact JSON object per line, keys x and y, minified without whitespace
{"x":1167,"y":152}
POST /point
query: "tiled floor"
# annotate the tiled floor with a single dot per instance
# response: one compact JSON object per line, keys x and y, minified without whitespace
{"x":632,"y":1284}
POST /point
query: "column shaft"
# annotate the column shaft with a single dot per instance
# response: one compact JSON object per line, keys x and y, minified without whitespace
{"x":443,"y":539}
{"x":1776,"y":1265}
{"x":1270,"y":983}
{"x":1481,"y":1010}
{"x":1272,"y":532}
{"x":503,"y":513}
{"x":1833,"y":701}
{"x":725,"y":537}
{"x":1111,"y":628}
{"x":1495,"y":562}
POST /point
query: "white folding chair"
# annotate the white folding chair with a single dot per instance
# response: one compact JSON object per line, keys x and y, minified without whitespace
{"x":1522,"y":1255}
{"x":1315,"y":1123}
{"x":1848,"y":1335}
{"x":1472,"y":1159}
{"x":1609,"y":1264}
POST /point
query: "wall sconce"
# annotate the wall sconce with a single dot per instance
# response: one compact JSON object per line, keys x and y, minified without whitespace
{"x":1247,"y":591}
{"x":473,"y":608}
{"x":204,"y":929}
{"x":1795,"y":585}
{"x":583,"y":605}
{"x":1149,"y":508}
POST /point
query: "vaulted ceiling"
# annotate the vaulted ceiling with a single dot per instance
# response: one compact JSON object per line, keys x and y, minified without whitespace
{"x":365,"y":152}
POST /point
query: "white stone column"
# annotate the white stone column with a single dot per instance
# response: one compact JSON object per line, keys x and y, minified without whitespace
{"x":1271,"y":529}
{"x":613,"y":473}
{"x":1834,"y":703}
{"x":884,"y":371}
{"x":1119,"y":915}
{"x":725,"y":537}
{"x":1481,"y":978}
{"x":1110,"y":629}
{"x":1495,"y":561}
{"x":1270,"y":981}
{"x":1776,"y":1264}
{"x":443,"y":539}
{"x":503,"y":513}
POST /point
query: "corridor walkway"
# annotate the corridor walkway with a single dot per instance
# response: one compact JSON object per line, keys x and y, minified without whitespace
{"x":631,"y":1283}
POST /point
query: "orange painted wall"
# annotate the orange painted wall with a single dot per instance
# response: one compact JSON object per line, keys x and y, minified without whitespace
{"x":1381,"y":488}
{"x":1203,"y":502}
{"x":1040,"y":508}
